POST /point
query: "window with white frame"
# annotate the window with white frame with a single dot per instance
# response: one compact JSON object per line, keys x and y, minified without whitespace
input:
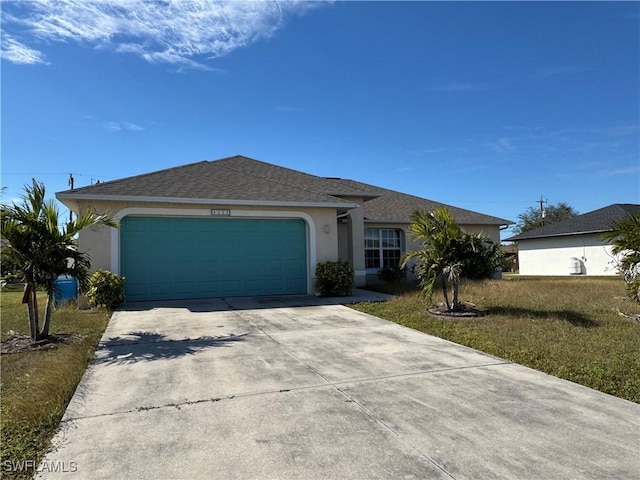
{"x":382,"y":247}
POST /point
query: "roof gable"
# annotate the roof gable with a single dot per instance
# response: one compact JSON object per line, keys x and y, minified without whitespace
{"x":597,"y":221}
{"x":235,"y":178}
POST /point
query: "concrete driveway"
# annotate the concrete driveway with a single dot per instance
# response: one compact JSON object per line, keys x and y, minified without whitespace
{"x":285,"y":388}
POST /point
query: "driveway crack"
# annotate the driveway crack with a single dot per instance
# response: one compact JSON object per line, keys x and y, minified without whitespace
{"x":393,"y":431}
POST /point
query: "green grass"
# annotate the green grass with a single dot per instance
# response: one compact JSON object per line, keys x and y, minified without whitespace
{"x":567,"y":327}
{"x":37,"y":385}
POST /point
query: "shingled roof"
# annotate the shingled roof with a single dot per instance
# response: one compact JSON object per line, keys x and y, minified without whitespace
{"x":395,"y":207}
{"x":597,"y":221}
{"x":240,"y":179}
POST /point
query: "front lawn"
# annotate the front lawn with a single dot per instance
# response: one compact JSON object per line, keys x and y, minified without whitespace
{"x":567,"y":327}
{"x":37,"y":385}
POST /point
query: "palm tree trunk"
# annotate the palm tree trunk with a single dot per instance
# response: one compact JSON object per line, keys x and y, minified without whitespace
{"x":445,"y":293}
{"x":456,"y":302}
{"x":33,"y":322}
{"x":47,"y":316}
{"x":36,"y":322}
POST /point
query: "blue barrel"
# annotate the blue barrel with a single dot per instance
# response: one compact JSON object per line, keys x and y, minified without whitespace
{"x":66,"y":290}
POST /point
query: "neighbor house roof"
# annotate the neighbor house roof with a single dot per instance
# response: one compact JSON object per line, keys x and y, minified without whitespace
{"x":242,"y":180}
{"x":597,"y":221}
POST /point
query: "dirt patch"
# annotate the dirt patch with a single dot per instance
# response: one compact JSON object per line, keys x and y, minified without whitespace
{"x":465,"y":310}
{"x":18,"y":342}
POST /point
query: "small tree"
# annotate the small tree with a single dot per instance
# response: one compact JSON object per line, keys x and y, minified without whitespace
{"x":446,"y":252}
{"x":625,"y":238}
{"x":42,"y":250}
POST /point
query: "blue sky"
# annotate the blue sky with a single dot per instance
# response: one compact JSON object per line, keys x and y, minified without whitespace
{"x":482,"y":105}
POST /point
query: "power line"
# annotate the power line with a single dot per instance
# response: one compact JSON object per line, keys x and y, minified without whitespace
{"x":94,"y":175}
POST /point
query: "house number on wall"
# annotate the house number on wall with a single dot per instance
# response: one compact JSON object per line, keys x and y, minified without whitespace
{"x":221,"y":212}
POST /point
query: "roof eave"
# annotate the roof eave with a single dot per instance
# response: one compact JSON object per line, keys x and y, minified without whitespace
{"x":536,"y":237}
{"x":365,"y":196}
{"x":201,"y":201}
{"x":406,"y":220}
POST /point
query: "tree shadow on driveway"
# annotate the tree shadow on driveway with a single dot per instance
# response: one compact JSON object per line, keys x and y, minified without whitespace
{"x":147,"y":346}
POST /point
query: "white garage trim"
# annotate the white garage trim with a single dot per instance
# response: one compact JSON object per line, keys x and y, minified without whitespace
{"x":206,"y":213}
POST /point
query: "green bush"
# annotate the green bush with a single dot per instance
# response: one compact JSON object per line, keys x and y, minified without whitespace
{"x":106,"y":289}
{"x":392,"y":274}
{"x":334,"y":279}
{"x":483,"y":262}
{"x":9,"y":271}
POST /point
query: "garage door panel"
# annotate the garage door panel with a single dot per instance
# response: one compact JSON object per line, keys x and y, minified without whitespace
{"x":159,"y":288}
{"x":293,"y":284}
{"x":279,"y":285}
{"x":185,"y":288}
{"x":230,"y":287}
{"x":136,"y":289}
{"x":204,"y":288}
{"x":164,"y":258}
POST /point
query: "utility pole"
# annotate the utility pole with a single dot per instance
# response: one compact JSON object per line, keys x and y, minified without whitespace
{"x":542,"y":201}
{"x":71,"y":185}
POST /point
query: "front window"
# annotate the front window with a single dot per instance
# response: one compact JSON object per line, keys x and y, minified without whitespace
{"x":382,"y":247}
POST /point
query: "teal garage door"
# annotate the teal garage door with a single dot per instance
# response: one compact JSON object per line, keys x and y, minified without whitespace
{"x":172,"y":258}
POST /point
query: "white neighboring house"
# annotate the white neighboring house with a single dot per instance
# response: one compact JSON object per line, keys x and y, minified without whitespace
{"x":574,"y":246}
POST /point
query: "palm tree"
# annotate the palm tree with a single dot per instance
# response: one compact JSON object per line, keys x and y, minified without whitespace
{"x":42,"y":250}
{"x":444,"y":253}
{"x":625,"y":239}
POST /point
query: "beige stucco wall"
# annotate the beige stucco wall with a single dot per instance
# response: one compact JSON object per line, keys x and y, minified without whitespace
{"x":552,"y":256}
{"x":96,"y":242}
{"x":102,"y":243}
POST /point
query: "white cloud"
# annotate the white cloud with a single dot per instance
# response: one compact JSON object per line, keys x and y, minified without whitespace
{"x":616,"y":131}
{"x":464,"y":87}
{"x":425,"y":151}
{"x":611,"y":131}
{"x":119,"y":126}
{"x":169,"y":31}
{"x":17,"y":52}
{"x":554,"y":71}
{"x":503,"y":145}
{"x":631,"y":170}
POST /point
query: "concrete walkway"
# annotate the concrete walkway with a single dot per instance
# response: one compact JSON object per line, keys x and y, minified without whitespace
{"x":291,"y":388}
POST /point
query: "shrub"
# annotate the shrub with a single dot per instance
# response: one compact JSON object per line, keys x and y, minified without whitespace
{"x":9,"y":271}
{"x":392,"y":274}
{"x":483,"y":262}
{"x":106,"y":289}
{"x":334,"y":279}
